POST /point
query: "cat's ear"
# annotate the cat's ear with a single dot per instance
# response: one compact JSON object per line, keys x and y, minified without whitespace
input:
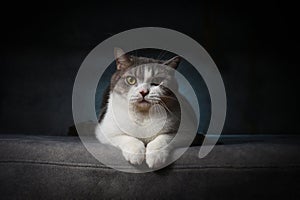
{"x":122,"y":60}
{"x":173,"y":62}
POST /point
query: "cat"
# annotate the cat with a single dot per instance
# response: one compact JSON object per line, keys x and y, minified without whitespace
{"x":138,"y":84}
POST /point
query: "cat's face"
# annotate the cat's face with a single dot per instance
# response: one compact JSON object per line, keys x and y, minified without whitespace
{"x":143,"y":82}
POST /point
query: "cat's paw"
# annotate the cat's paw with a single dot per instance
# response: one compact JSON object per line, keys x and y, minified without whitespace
{"x":156,"y":157}
{"x":134,"y":152}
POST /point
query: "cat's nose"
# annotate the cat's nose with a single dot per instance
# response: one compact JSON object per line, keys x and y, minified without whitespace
{"x":144,"y":92}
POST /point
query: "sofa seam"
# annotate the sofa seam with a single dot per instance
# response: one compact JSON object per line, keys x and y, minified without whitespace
{"x":181,"y":167}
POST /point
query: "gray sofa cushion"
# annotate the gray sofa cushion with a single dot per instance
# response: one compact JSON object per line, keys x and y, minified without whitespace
{"x":60,"y":167}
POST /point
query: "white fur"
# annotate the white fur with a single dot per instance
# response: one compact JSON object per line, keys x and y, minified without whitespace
{"x":133,"y":149}
{"x":156,"y":152}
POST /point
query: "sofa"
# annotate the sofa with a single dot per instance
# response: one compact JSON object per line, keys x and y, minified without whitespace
{"x":238,"y":167}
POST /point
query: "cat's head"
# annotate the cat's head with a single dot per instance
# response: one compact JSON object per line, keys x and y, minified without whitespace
{"x":142,"y":81}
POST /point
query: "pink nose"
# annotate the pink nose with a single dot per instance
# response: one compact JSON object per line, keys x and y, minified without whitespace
{"x":144,"y":92}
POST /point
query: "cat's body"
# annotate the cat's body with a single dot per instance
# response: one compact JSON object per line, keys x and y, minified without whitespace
{"x":138,"y":85}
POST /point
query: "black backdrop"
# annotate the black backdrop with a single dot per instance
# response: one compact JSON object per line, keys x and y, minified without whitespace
{"x":255,"y":46}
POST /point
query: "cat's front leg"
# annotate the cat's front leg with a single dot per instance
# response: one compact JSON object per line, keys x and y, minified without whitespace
{"x":157,"y":151}
{"x":132,"y":149}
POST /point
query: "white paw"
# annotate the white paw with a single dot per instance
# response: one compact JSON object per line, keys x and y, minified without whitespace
{"x":134,"y":152}
{"x":156,"y":157}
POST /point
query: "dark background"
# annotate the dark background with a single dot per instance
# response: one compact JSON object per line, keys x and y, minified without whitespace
{"x":255,"y":46}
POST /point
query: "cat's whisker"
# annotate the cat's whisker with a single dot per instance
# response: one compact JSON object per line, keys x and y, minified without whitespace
{"x":134,"y":99}
{"x":160,"y":111}
{"x":153,"y":96}
{"x":165,"y":106}
{"x":169,"y":97}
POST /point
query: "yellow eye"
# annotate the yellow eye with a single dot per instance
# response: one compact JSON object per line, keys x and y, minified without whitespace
{"x":131,"y":80}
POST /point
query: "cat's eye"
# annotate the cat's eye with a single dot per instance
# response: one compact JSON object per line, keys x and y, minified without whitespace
{"x":131,"y":80}
{"x":154,"y":84}
{"x":156,"y":81}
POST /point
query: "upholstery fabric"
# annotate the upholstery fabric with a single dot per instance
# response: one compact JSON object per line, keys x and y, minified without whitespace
{"x":47,"y":167}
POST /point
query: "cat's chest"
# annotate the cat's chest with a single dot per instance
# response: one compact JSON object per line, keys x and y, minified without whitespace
{"x":121,"y":115}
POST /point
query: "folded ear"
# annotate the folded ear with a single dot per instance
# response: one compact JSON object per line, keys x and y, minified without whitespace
{"x":173,"y":62}
{"x":122,"y":60}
